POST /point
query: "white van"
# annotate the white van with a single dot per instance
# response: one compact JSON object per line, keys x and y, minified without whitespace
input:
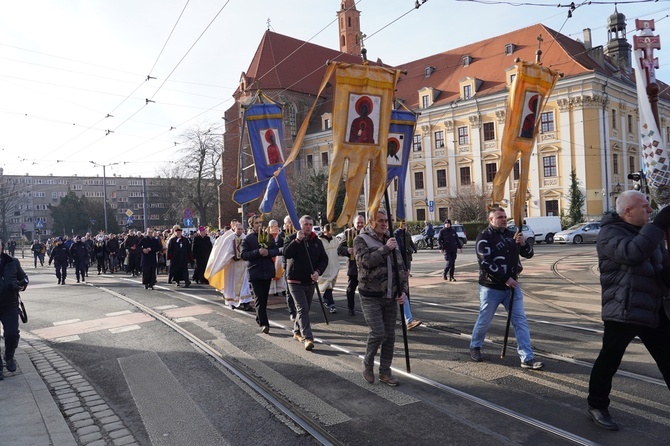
{"x":543,"y":227}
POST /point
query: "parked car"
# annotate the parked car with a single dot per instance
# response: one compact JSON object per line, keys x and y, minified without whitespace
{"x":579,"y":233}
{"x":420,"y":239}
{"x":543,"y":227}
{"x":528,"y":233}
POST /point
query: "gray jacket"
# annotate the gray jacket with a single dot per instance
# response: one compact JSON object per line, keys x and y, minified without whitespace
{"x":631,"y":263}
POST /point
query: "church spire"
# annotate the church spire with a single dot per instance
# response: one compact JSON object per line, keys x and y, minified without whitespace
{"x":350,"y":27}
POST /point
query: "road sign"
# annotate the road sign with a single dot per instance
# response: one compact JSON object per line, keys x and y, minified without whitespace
{"x":39,"y":224}
{"x":188,"y":213}
{"x":431,"y":206}
{"x":129,"y":220}
{"x":188,"y":222}
{"x":129,"y":213}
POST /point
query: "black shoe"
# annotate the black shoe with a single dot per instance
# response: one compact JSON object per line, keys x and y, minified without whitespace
{"x":601,"y":417}
{"x":476,"y":354}
{"x":63,"y":282}
{"x":444,"y":276}
{"x":77,"y":280}
{"x":352,"y":312}
{"x":146,"y":287}
{"x":10,"y":365}
{"x":1,"y":375}
{"x":265,"y":329}
{"x":58,"y":281}
{"x":188,"y":284}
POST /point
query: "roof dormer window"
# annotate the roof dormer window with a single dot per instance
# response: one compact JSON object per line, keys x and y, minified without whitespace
{"x":510,"y":48}
{"x":428,"y":71}
{"x":467,"y":60}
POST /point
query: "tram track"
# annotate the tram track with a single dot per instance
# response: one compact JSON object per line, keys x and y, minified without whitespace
{"x":304,"y":420}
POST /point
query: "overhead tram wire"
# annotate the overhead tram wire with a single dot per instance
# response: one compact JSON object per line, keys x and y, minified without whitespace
{"x":168,"y":38}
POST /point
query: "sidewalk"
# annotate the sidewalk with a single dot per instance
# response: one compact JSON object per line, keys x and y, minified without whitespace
{"x":28,"y":413}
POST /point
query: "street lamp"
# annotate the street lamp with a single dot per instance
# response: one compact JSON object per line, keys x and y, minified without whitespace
{"x":104,"y":186}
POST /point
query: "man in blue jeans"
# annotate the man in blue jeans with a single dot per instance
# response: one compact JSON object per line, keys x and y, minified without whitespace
{"x":498,"y":250}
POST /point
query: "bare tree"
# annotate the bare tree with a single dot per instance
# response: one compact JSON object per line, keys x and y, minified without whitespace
{"x":468,"y":204}
{"x":10,"y":200}
{"x":201,"y":151}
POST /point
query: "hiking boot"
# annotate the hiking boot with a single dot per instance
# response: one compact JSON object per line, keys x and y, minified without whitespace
{"x":298,"y":337}
{"x":532,"y":365}
{"x":413,"y":324}
{"x":369,"y":375}
{"x":476,"y":354}
{"x":309,"y":344}
{"x":389,"y":379}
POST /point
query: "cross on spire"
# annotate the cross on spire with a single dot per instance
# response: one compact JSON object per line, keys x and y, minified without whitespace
{"x":647,"y":42}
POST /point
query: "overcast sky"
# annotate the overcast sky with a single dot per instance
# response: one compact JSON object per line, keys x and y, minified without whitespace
{"x":65,"y":65}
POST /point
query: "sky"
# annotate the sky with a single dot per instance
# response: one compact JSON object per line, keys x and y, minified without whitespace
{"x":118,"y":82}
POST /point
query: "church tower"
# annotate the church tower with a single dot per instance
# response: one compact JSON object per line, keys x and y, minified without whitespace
{"x":350,"y":28}
{"x":618,"y":48}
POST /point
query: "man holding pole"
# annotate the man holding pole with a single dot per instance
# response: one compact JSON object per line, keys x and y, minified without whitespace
{"x":306,"y":261}
{"x":498,"y":250}
{"x":380,"y":293}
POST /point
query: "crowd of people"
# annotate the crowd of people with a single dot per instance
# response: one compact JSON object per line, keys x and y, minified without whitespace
{"x":296,"y":263}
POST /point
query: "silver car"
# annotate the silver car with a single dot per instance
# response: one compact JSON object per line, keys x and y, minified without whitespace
{"x":527,"y":232}
{"x":579,"y":233}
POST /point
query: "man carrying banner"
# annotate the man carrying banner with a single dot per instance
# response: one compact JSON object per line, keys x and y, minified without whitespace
{"x":499,"y":269}
{"x":380,"y":296}
{"x":635,"y":277}
{"x":346,"y":249}
{"x":306,"y":261}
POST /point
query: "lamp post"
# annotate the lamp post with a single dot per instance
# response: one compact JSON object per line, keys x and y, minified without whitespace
{"x":104,"y":187}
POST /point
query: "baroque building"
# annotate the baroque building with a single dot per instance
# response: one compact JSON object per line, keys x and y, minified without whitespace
{"x":589,"y":125}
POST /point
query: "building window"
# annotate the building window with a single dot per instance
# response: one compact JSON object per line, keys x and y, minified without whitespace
{"x":420,"y":215}
{"x":551,"y":208}
{"x":615,"y":163}
{"x":425,"y":101}
{"x":547,"y":122}
{"x":310,"y":161}
{"x":509,"y":48}
{"x":463,"y":136}
{"x":324,"y":159}
{"x":549,"y":163}
{"x":512,"y":77}
{"x":439,"y":139}
{"x":489,"y":131}
{"x":326,"y":124}
{"x":443,"y":213}
{"x":517,"y":170}
{"x":630,"y":123}
{"x":491,"y":170}
{"x":466,"y":179}
{"x":418,"y":180}
{"x":467,"y":92}
{"x":395,"y":184}
{"x":416,"y":145}
{"x":441,"y":178}
{"x":614,"y":119}
{"x":631,"y":164}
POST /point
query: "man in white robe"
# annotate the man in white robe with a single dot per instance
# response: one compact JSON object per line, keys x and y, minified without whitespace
{"x":227,"y":272}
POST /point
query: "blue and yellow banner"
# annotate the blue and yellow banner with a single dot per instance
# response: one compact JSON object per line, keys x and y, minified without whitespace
{"x":398,"y":149}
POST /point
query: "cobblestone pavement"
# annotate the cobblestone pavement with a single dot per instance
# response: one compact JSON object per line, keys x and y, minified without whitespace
{"x":91,"y":420}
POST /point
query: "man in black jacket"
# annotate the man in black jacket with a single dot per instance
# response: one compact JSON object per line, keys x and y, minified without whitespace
{"x":14,"y":279}
{"x":306,"y":260}
{"x":449,"y":244}
{"x":79,"y":254}
{"x":634,"y":282}
{"x":498,"y":251}
{"x":61,"y":258}
{"x":346,"y":249}
{"x":202,"y":248}
{"x":258,"y":249}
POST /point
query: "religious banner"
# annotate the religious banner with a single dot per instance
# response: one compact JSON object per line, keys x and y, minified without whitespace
{"x":399,"y":146}
{"x":528,"y":96}
{"x":654,"y":151}
{"x":361,"y":118}
{"x":264,"y":125}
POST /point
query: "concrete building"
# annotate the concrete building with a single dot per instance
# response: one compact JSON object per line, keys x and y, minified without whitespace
{"x":31,"y":196}
{"x":589,"y":126}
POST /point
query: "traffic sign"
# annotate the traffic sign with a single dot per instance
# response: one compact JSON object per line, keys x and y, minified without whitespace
{"x":129,"y":220}
{"x":188,"y":213}
{"x":431,"y":206}
{"x":188,"y":222}
{"x":39,"y":224}
{"x":129,"y":213}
